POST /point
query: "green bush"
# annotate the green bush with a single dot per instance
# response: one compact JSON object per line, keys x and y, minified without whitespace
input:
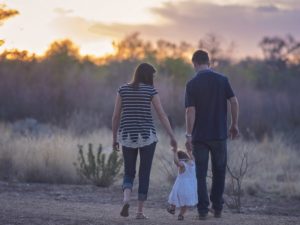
{"x":99,"y":170}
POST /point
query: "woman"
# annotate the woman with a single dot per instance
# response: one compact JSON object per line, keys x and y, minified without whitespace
{"x":136,"y":132}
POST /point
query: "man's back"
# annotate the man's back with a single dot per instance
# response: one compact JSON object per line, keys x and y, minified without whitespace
{"x":208,"y":92}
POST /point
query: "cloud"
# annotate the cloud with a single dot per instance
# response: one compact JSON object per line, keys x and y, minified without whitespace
{"x":268,"y":8}
{"x":62,"y":11}
{"x":190,"y":20}
{"x":287,"y":4}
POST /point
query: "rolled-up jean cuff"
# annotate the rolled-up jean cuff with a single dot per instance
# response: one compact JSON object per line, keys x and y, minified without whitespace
{"x":127,"y":186}
{"x":142,"y":197}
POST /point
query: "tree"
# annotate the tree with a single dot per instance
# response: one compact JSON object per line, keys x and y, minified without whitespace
{"x":16,"y":54}
{"x":63,"y":49}
{"x":212,"y":44}
{"x":132,"y":47}
{"x":166,"y":49}
{"x":4,"y":15}
{"x":279,"y":52}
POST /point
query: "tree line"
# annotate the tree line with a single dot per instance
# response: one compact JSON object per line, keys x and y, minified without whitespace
{"x":63,"y":86}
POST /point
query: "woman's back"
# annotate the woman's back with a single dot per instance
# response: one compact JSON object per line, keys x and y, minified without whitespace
{"x":137,"y":127}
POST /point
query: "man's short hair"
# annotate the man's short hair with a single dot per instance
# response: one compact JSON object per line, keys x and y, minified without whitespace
{"x":200,"y":57}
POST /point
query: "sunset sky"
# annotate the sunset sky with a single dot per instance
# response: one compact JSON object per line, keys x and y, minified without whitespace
{"x":94,"y":24}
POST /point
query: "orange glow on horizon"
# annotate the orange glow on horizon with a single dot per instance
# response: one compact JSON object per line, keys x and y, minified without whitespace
{"x":96,"y":25}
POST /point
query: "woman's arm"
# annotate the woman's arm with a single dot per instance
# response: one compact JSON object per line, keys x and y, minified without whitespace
{"x":164,"y":119}
{"x":116,"y":121}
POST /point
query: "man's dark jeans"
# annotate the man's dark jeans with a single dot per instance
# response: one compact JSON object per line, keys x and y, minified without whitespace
{"x":130,"y":157}
{"x":218,"y":152}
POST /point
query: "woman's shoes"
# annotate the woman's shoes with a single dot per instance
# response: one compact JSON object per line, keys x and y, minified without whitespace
{"x":125,"y":210}
{"x":141,"y":216}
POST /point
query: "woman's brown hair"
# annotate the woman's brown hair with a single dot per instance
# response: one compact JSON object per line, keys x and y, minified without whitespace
{"x":143,"y":74}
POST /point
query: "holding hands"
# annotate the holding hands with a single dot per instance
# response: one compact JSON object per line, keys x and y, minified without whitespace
{"x":188,"y":142}
{"x":173,"y":144}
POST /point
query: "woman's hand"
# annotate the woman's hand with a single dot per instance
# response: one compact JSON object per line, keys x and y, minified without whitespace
{"x":115,"y":146}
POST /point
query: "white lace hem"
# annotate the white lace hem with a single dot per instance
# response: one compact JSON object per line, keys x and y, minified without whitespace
{"x":141,"y":142}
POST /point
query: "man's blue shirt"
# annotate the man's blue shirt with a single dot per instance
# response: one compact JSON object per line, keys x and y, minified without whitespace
{"x":208,"y":92}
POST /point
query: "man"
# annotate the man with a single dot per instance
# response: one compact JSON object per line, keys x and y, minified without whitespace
{"x":206,"y":99}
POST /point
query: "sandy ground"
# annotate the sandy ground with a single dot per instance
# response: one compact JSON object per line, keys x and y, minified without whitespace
{"x":42,"y":204}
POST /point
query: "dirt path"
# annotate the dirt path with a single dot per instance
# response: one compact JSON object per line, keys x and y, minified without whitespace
{"x":87,"y":205}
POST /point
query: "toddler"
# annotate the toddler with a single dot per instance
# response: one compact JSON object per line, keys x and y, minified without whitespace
{"x":184,"y":191}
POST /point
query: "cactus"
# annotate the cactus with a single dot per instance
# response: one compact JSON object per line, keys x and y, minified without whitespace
{"x":99,"y":170}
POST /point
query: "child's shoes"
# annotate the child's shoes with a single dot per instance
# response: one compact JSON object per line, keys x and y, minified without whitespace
{"x":171,"y":210}
{"x":180,"y":217}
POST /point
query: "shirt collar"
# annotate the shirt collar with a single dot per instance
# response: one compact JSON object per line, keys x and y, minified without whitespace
{"x":203,"y":71}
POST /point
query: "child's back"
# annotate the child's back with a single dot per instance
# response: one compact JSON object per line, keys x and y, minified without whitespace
{"x":184,"y":191}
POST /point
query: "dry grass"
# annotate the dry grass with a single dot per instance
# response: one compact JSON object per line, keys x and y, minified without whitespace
{"x":273,"y":165}
{"x":49,"y":157}
{"x":43,"y":158}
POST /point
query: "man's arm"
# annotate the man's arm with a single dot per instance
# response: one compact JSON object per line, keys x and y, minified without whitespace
{"x":234,"y":108}
{"x":190,"y":114}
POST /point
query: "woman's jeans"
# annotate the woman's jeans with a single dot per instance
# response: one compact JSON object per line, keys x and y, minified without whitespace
{"x":146,"y":157}
{"x":218,"y":153}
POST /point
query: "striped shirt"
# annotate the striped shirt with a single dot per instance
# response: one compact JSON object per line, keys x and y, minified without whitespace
{"x":137,"y":127}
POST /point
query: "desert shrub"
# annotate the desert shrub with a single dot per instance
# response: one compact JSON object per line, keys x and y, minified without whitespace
{"x":237,"y":176}
{"x":6,"y":171}
{"x":97,"y":169}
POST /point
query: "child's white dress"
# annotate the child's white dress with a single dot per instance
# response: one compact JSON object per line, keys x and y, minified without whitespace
{"x":184,"y":191}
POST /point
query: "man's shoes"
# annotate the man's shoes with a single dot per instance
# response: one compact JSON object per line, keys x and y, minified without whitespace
{"x":202,"y":216}
{"x":217,"y":214}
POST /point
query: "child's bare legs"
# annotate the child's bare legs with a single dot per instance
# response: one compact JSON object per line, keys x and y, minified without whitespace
{"x":182,"y":210}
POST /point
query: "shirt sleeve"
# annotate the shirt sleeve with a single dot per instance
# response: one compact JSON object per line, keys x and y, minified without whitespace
{"x":189,"y":98}
{"x":228,"y":90}
{"x":153,"y":92}
{"x":120,"y":90}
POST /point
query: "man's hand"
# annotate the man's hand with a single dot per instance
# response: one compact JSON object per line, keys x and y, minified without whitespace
{"x":188,"y":144}
{"x":233,"y":132}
